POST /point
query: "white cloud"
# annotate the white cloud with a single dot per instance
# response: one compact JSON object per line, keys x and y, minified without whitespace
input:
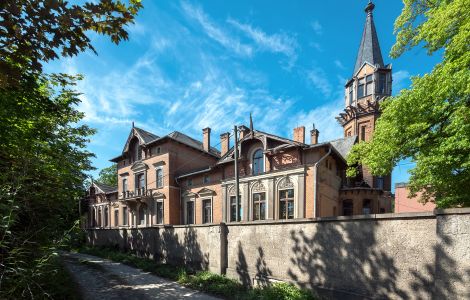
{"x":324,"y":119}
{"x":401,"y":80}
{"x":276,"y":43}
{"x":317,"y":27}
{"x":214,"y":32}
{"x":319,"y":80}
{"x":339,"y":64}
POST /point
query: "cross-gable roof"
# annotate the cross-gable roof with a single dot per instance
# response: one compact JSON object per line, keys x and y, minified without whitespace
{"x":104,"y":188}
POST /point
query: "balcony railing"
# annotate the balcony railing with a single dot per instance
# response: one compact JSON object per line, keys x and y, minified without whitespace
{"x":138,"y":192}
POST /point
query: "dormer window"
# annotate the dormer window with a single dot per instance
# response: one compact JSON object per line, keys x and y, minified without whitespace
{"x":360,"y":88}
{"x":258,"y":162}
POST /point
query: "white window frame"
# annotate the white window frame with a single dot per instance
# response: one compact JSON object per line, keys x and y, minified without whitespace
{"x":210,"y":199}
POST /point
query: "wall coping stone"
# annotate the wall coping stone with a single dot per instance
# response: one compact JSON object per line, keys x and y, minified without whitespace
{"x":452,"y":211}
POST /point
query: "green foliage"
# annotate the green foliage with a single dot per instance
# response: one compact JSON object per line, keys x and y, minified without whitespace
{"x":36,"y":31}
{"x":430,"y":122}
{"x":108,"y":175}
{"x":204,"y":281}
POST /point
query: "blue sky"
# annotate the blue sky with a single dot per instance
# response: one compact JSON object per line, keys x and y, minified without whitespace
{"x":190,"y":65}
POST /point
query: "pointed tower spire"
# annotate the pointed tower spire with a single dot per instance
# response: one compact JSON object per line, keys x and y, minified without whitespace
{"x":369,"y":49}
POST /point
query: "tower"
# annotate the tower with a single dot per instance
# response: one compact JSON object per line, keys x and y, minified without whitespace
{"x":369,"y":85}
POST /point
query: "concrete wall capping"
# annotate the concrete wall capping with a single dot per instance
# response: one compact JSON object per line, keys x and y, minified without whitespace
{"x":452,"y":211}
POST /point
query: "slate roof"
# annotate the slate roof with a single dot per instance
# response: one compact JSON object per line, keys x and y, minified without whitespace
{"x":369,"y":49}
{"x":148,"y":137}
{"x":187,"y":140}
{"x":344,"y":145}
{"x":107,"y":189}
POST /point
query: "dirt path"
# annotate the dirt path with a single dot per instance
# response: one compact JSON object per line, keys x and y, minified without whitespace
{"x":103,"y":279}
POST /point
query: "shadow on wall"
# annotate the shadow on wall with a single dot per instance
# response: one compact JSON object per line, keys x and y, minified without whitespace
{"x":262,"y":270}
{"x":344,"y":257}
{"x":178,"y":246}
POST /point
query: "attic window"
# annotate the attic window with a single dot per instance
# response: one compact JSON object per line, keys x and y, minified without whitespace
{"x":360,"y":88}
{"x":382,"y":83}
{"x":369,"y":85}
{"x":206,"y":179}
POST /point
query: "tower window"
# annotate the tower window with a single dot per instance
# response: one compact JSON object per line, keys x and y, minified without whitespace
{"x":360,"y":88}
{"x":369,"y":85}
{"x":363,"y":133}
{"x":382,"y":83}
{"x":350,"y":94}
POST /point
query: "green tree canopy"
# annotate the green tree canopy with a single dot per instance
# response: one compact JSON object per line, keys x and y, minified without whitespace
{"x":43,"y":156}
{"x":430,"y":121}
{"x":36,"y":31}
{"x":109,"y":175}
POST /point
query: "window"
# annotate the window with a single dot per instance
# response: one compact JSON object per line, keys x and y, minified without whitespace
{"x":116,"y":217}
{"x":233,"y":209}
{"x":140,"y":181}
{"x":369,"y":85}
{"x":137,"y":151}
{"x":360,"y":88}
{"x":125,"y":216}
{"x":159,"y":178}
{"x":206,"y":211}
{"x":124,"y":185}
{"x":286,"y":204}
{"x":190,"y":182}
{"x":99,"y":217}
{"x":190,"y":212}
{"x":350,"y":94}
{"x":366,"y":207}
{"x":142,"y":214}
{"x":382,"y":83}
{"x":259,"y":206}
{"x":156,"y":150}
{"x":363,"y":133}
{"x":380,"y":183}
{"x":258,"y":162}
{"x":159,"y":212}
{"x":206,"y":179}
{"x":382,"y":210}
{"x":347,"y":208}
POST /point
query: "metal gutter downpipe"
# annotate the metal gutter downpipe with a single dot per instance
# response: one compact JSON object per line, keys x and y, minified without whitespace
{"x":315,"y":182}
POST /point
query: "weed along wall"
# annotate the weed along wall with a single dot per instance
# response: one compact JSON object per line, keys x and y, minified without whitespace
{"x":413,"y":255}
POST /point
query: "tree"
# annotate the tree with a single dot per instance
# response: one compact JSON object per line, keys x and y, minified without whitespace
{"x":430,"y":121}
{"x":35,"y":31}
{"x":43,"y":156}
{"x":108,"y":175}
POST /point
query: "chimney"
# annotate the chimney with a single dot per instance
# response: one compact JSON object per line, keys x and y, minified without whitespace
{"x":224,"y":142}
{"x":314,"y":136}
{"x":299,"y":134}
{"x":206,"y":139}
{"x":244,"y":131}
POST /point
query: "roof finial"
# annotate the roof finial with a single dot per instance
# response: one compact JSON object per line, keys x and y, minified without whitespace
{"x":132,"y":124}
{"x":251,"y":126}
{"x":313,"y":126}
{"x":369,"y":8}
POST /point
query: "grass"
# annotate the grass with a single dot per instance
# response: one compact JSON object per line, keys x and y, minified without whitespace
{"x":58,"y":283}
{"x":205,"y":281}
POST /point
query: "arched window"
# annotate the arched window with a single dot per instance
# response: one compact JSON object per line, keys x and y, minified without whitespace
{"x":159,"y":178}
{"x":142,"y":214}
{"x":258,"y":162}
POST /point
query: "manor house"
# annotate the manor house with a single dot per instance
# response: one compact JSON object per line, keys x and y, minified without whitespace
{"x":175,"y":179}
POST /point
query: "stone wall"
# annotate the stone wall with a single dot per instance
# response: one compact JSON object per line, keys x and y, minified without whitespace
{"x":405,"y":256}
